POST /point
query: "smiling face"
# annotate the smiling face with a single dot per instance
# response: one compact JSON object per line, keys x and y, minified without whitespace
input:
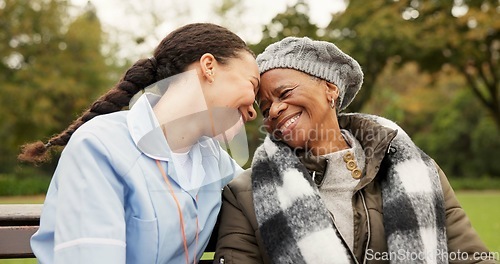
{"x":235,"y":85}
{"x":296,"y":107}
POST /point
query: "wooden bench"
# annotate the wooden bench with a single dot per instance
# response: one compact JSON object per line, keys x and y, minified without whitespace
{"x":18,"y":222}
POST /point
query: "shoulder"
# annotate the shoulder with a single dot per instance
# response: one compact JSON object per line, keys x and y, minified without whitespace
{"x":242,"y":183}
{"x":108,"y":125}
{"x":107,"y":137}
{"x":238,"y":193}
{"x":369,"y":120}
{"x":110,"y":129}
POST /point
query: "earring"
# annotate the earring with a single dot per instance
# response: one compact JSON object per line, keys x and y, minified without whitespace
{"x":209,"y":72}
{"x":332,"y":104}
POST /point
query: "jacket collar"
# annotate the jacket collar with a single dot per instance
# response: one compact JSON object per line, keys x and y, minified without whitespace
{"x":374,"y":138}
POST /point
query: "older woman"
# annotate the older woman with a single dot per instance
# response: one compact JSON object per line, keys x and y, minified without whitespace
{"x":336,"y":188}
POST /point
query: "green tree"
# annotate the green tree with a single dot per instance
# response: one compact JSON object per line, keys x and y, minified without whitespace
{"x":30,"y":30}
{"x":51,"y":69}
{"x":466,"y":35}
{"x":462,"y":139}
{"x":293,"y":22}
{"x":460,"y":34}
{"x":442,"y":116}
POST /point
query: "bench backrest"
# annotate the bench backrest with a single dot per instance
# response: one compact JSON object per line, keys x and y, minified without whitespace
{"x":17,"y":223}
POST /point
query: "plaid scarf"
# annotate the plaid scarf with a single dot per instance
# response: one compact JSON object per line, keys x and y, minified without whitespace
{"x":297,"y":228}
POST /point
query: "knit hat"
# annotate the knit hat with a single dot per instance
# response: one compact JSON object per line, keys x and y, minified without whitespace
{"x":317,"y":58}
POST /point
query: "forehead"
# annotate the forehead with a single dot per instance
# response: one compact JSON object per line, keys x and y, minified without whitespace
{"x":242,"y":58}
{"x":275,"y":79}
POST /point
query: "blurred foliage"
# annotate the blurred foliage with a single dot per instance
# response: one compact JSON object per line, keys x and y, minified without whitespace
{"x":293,"y":22}
{"x":463,"y":139}
{"x":51,"y":68}
{"x":442,"y":116}
{"x":463,"y":34}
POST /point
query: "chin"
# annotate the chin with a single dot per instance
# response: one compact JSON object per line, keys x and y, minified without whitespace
{"x":295,"y":144}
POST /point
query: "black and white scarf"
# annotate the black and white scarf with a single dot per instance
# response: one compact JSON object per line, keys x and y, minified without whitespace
{"x":297,"y":228}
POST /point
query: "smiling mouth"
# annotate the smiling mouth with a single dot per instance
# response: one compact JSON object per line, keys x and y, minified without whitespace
{"x":283,"y":128}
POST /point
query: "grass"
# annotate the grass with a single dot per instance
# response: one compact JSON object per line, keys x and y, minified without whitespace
{"x":17,"y":185}
{"x":18,"y":261}
{"x":475,"y":183}
{"x":31,"y":199}
{"x":482,"y":208}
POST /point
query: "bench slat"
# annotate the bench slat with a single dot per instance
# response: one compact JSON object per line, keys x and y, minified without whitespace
{"x":20,"y":212}
{"x":14,"y":242}
{"x":18,"y":222}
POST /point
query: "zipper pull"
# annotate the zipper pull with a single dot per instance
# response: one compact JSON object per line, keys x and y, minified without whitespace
{"x":391,"y":149}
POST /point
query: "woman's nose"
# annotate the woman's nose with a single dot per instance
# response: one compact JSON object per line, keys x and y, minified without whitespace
{"x":250,"y":113}
{"x":276,"y":110}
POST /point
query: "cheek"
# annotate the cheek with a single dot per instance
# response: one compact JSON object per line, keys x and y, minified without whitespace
{"x":249,"y":97}
{"x":245,"y":94}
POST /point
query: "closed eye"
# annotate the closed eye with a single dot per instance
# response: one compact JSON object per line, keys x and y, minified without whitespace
{"x":285,"y":93}
{"x":256,"y":85}
{"x":265,"y":112}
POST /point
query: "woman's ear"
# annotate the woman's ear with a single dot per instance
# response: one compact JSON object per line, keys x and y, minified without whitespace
{"x":332,"y":91}
{"x":208,"y":64}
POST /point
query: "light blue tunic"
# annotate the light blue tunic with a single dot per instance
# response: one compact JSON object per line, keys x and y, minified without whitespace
{"x":108,"y":202}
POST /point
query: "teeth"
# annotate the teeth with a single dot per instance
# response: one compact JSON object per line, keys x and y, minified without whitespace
{"x":289,"y":122}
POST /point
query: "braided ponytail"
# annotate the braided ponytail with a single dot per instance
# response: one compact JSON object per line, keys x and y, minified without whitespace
{"x":173,"y":55}
{"x":139,"y":76}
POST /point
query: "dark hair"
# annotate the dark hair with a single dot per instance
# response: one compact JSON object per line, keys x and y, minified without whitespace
{"x":172,"y":56}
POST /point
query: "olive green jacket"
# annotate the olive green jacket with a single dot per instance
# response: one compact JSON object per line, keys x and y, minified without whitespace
{"x":239,"y":238}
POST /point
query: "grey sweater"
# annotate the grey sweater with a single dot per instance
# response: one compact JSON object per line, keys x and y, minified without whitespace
{"x":338,"y":186}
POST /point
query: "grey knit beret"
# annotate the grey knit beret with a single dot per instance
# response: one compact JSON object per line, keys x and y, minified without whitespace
{"x":317,"y":58}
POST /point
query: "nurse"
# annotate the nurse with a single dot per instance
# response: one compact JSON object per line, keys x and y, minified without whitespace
{"x":144,"y":185}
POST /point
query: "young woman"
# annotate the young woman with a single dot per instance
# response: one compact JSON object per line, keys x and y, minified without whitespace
{"x":144,"y":185}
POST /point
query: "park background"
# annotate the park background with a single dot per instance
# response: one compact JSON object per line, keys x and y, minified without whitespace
{"x":431,"y":66}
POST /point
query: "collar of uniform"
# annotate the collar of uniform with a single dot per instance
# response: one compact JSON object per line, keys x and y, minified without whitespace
{"x":145,"y":129}
{"x":150,"y":140}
